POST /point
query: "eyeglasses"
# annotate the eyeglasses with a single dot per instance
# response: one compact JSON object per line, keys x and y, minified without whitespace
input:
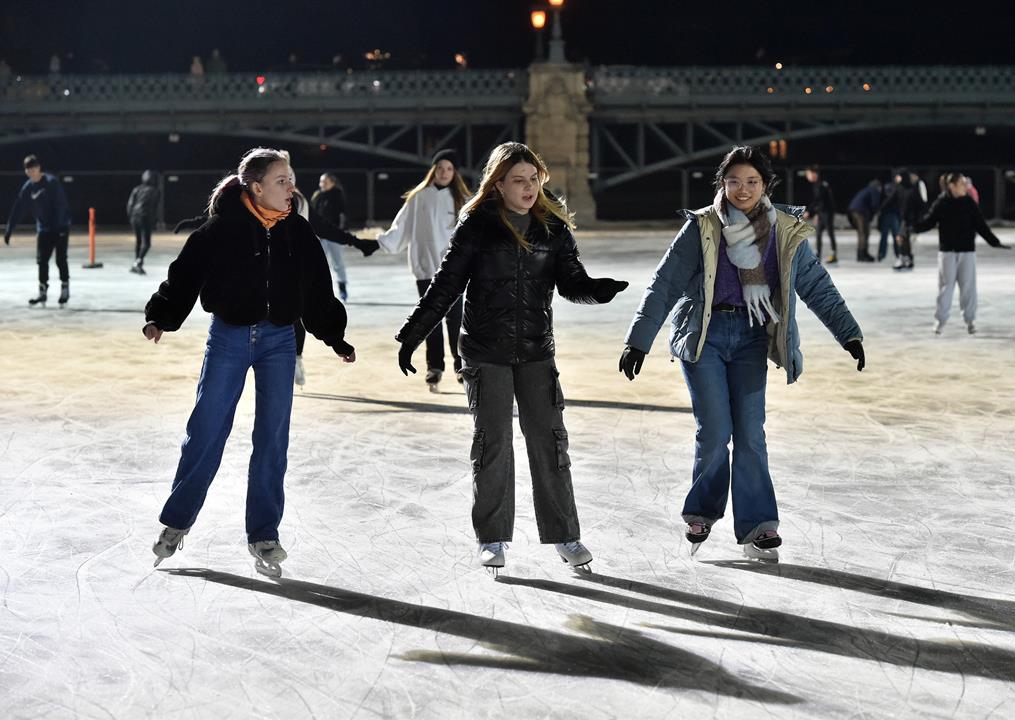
{"x":735,"y":183}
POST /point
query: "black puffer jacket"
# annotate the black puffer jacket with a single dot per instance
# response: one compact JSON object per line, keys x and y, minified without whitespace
{"x":508,"y":290}
{"x":245,"y":274}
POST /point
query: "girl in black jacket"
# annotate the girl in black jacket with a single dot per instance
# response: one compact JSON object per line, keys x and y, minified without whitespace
{"x":958,"y":220}
{"x":257,"y":267}
{"x":512,"y":246}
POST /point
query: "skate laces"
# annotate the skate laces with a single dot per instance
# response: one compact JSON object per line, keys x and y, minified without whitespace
{"x":573,"y":546}
{"x":173,"y":537}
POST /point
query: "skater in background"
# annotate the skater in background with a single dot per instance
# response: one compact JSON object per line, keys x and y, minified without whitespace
{"x":328,"y":201}
{"x":44,"y":195}
{"x":142,"y":212}
{"x":958,"y":220}
{"x":733,"y":273}
{"x":910,"y":206}
{"x":256,"y":267}
{"x":862,"y":209}
{"x":424,"y":224}
{"x":512,"y":246}
{"x":821,"y":209}
{"x":971,"y":189}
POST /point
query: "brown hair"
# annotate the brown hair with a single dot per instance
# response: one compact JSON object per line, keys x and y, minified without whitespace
{"x":950,"y":178}
{"x":253,"y":167}
{"x":502,"y":159}
{"x":459,"y":190}
{"x":32,"y":161}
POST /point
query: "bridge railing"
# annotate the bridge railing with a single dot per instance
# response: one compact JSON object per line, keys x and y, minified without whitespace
{"x":626,"y":86}
{"x":244,"y":90}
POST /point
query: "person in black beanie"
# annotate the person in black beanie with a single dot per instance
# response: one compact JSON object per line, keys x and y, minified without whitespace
{"x":257,"y":267}
{"x":142,"y":211}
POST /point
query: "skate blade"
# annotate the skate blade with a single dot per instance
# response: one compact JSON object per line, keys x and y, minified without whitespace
{"x":157,"y":561}
{"x":762,"y":556}
{"x":695,"y":547}
{"x":493,"y":571}
{"x":272,"y":570}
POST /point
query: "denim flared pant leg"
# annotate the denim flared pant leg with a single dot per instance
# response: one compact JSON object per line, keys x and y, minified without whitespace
{"x":727,"y":388}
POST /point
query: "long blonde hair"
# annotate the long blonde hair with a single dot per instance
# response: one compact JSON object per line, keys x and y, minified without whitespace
{"x":502,"y":159}
{"x":459,"y":190}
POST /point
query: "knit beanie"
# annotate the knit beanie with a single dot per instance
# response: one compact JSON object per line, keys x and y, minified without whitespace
{"x":447,"y":154}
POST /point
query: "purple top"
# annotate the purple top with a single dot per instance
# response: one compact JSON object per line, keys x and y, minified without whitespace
{"x":728,"y":290}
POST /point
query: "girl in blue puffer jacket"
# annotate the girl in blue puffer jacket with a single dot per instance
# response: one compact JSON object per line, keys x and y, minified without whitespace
{"x":732,"y":274}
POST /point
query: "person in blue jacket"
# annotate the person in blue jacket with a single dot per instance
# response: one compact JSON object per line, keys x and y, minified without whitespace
{"x":862,"y":209}
{"x":732,"y":274}
{"x":44,"y":194}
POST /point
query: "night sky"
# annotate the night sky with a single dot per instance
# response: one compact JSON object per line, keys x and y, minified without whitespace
{"x":161,"y":36}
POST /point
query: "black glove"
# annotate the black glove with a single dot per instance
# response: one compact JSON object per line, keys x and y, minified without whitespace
{"x":367,"y":247}
{"x":855,"y":348}
{"x":631,"y":361}
{"x":343,"y":349}
{"x":607,"y":289}
{"x":405,"y":359}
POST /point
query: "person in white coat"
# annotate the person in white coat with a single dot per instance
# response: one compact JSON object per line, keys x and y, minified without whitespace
{"x":424,"y":224}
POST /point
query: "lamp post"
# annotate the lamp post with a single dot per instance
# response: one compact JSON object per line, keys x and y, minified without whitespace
{"x":557,"y":41}
{"x":538,"y":20}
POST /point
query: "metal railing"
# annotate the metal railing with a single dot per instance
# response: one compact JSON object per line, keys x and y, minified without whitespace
{"x":619,"y":85}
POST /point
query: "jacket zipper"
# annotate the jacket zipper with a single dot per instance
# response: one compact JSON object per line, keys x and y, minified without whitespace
{"x":518,"y":299}
{"x":267,"y":276}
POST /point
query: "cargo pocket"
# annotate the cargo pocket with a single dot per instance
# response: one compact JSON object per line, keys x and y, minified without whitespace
{"x":471,"y":378}
{"x":478,"y":448}
{"x":556,"y":393}
{"x":563,"y":459}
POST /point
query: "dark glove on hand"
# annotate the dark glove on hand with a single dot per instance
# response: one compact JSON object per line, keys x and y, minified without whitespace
{"x":405,"y":360}
{"x":631,"y":361}
{"x":607,"y":289}
{"x":343,"y":349}
{"x":855,"y":348}
{"x":367,"y":247}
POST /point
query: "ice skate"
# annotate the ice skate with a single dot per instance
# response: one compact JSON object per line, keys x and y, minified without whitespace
{"x":491,"y":556}
{"x":433,"y":378}
{"x":765,"y":547}
{"x":170,"y":540}
{"x":575,"y":554}
{"x":137,"y":268}
{"x":696,"y":534}
{"x":64,"y":294}
{"x":938,"y":327}
{"x":268,"y":555}
{"x":832,"y":259}
{"x":971,"y":328}
{"x":300,"y":376}
{"x":39,"y":299}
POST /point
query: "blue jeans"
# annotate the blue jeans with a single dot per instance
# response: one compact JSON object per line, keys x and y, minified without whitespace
{"x":333,"y":251}
{"x":231,"y":350}
{"x":727,"y":387}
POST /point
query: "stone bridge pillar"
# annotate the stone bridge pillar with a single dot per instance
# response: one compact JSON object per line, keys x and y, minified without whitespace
{"x":557,"y":127}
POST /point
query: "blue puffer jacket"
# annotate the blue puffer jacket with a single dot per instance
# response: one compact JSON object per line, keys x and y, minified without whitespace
{"x":684,"y":282}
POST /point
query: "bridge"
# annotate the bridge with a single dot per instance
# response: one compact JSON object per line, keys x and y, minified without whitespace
{"x":637,"y":121}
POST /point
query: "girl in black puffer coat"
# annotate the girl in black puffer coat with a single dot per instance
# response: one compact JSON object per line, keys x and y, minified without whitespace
{"x":512,"y":246}
{"x":257,"y":267}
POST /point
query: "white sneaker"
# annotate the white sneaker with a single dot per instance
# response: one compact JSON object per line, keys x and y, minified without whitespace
{"x":938,"y":325}
{"x":300,"y":377}
{"x":575,"y":554}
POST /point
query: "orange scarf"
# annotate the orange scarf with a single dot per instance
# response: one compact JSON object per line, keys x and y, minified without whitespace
{"x":266,"y":217}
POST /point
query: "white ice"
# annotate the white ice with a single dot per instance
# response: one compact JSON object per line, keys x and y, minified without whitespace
{"x":894,"y":597}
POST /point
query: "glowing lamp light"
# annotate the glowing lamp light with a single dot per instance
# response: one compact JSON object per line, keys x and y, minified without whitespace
{"x":807,"y":91}
{"x":261,"y":79}
{"x":866,"y":87}
{"x":778,"y":66}
{"x":770,"y":90}
{"x":538,"y":18}
{"x":556,"y":3}
{"x":829,"y":88}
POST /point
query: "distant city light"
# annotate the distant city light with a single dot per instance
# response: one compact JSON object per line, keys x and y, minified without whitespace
{"x":261,"y":90}
{"x":377,"y":55}
{"x":866,"y":87}
{"x":770,"y":90}
{"x":829,"y":88}
{"x":323,"y":147}
{"x":778,"y":66}
{"x":261,"y":79}
{"x":538,"y":18}
{"x":557,"y":3}
{"x":807,"y":91}
{"x":980,"y":130}
{"x":66,"y":92}
{"x":461,"y":61}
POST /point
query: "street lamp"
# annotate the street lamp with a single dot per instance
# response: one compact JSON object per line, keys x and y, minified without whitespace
{"x":538,"y":20}
{"x":557,"y":41}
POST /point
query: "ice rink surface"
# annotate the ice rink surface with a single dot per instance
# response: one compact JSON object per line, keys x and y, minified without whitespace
{"x":895,"y":596}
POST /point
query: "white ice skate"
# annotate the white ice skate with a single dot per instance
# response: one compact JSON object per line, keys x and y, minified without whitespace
{"x":267,"y":556}
{"x":300,"y":375}
{"x":696,"y":534}
{"x":170,"y":540}
{"x":433,"y":378}
{"x":491,"y":556}
{"x":765,"y":547}
{"x":575,"y":554}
